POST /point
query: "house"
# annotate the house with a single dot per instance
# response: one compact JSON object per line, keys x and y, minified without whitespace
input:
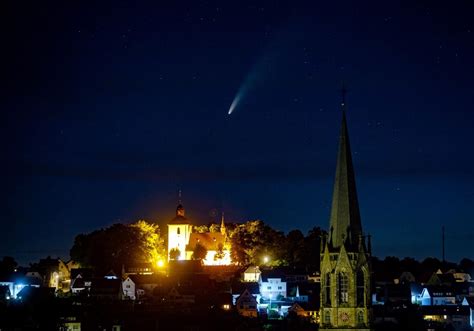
{"x":252,"y":274}
{"x":439,"y":278}
{"x":237,"y":288}
{"x":397,"y":295}
{"x":180,"y":295}
{"x":129,"y":289}
{"x":272,"y":285}
{"x":437,"y":296}
{"x":305,"y":310}
{"x":106,"y":289}
{"x":460,"y":276}
{"x":137,"y":286}
{"x":81,"y":280}
{"x":470,"y":303}
{"x":147,"y":283}
{"x":16,"y":283}
{"x":451,"y":317}
{"x":416,"y":290}
{"x":294,"y":275}
{"x":246,"y":304}
{"x":70,"y":323}
{"x":143,"y":268}
{"x":5,"y":294}
{"x":298,"y":293}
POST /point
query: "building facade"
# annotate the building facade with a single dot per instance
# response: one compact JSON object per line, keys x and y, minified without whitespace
{"x":345,"y":258}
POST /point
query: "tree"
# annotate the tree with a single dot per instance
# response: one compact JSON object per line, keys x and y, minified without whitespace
{"x":118,"y":245}
{"x":201,"y":228}
{"x":294,"y":248}
{"x":220,"y":252}
{"x":214,"y":227}
{"x":175,"y":254}
{"x":312,"y":249}
{"x":468,"y":266}
{"x":7,"y":266}
{"x":253,"y":240}
{"x":199,"y":252}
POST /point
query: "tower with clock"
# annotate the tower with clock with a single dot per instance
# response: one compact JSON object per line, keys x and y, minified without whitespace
{"x":345,"y":254}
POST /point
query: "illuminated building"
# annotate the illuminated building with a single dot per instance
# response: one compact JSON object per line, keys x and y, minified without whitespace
{"x":182,"y":240}
{"x":345,"y":259}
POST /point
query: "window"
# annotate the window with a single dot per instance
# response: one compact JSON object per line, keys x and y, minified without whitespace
{"x":269,"y":287}
{"x":360,"y":289}
{"x":343,"y":288}
{"x":327,"y":317}
{"x":327,"y":288}
{"x":360,"y":317}
{"x":279,"y":287}
{"x":178,"y":231}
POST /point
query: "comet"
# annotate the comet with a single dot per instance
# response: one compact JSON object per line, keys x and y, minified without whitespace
{"x":236,"y":101}
{"x":251,"y":81}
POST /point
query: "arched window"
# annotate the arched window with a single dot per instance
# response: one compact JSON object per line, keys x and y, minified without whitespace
{"x":178,"y":231}
{"x":360,"y":317}
{"x":327,"y":289}
{"x":360,"y":289}
{"x":343,"y":288}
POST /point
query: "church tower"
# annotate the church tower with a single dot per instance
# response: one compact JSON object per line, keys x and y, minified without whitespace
{"x":179,"y":231}
{"x":345,"y":260}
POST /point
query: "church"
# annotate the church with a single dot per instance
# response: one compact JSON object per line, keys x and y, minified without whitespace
{"x":345,"y":254}
{"x":182,"y":241}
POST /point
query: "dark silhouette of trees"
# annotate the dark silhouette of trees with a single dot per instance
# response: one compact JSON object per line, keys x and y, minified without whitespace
{"x":7,"y":266}
{"x":199,"y":252}
{"x":174,"y":253}
{"x":118,"y":245}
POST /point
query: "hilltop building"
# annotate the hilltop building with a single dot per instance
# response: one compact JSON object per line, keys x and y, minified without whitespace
{"x":345,"y":258}
{"x":183,"y":241}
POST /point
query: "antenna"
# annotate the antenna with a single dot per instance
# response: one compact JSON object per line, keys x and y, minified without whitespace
{"x":343,"y":94}
{"x":442,"y":243}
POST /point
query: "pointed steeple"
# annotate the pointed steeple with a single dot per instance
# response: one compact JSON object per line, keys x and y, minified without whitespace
{"x":223,"y":225}
{"x":345,"y":225}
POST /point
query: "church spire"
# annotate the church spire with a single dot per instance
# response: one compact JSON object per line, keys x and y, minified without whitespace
{"x":223,"y":225}
{"x":345,"y":225}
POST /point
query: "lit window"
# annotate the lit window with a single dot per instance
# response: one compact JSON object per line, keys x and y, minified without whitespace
{"x":343,"y":288}
{"x":360,"y":289}
{"x":327,"y":285}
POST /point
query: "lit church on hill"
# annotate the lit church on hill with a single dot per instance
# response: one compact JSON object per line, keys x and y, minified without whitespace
{"x":182,"y":241}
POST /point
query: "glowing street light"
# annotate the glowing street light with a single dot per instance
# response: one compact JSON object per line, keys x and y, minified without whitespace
{"x":266,"y":259}
{"x":160,"y":263}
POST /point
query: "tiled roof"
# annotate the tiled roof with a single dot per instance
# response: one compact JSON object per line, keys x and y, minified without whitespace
{"x":178,"y":219}
{"x":210,"y":240}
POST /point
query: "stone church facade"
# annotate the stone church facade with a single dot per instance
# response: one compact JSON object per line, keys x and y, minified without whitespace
{"x":345,"y":253}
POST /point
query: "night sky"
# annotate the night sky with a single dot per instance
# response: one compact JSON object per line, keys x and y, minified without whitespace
{"x":110,"y":108}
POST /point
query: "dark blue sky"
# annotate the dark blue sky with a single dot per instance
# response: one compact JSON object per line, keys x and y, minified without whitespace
{"x":108,"y":109}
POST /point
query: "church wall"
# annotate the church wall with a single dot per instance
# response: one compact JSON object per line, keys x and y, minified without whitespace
{"x":180,"y":240}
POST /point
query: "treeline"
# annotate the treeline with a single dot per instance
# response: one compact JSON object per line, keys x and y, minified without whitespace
{"x":391,"y":267}
{"x":253,"y":242}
